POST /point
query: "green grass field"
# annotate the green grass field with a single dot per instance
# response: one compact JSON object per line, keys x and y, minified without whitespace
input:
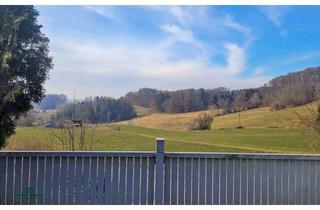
{"x":264,"y":131}
{"x":132,"y":138}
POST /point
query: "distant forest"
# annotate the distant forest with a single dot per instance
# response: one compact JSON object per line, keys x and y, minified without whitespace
{"x":52,"y":101}
{"x":291,"y":90}
{"x":96,"y":110}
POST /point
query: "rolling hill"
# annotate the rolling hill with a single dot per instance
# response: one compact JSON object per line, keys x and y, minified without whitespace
{"x":253,"y":118}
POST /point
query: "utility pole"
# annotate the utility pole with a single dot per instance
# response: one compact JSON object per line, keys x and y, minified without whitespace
{"x":239,"y":117}
{"x":73,"y":114}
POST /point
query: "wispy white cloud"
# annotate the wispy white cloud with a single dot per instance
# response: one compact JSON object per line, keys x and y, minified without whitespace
{"x":182,"y":35}
{"x":305,"y":56}
{"x":258,"y":71}
{"x":276,"y":15}
{"x":246,"y":31}
{"x":236,"y":58}
{"x":180,"y":14}
{"x":106,"y":12}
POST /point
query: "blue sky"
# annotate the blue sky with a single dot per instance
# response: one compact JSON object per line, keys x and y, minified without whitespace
{"x":111,"y":50}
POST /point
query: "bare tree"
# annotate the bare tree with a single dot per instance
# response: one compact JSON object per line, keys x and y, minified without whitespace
{"x":73,"y":136}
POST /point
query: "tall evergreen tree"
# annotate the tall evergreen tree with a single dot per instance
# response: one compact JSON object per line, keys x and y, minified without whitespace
{"x":24,"y":65}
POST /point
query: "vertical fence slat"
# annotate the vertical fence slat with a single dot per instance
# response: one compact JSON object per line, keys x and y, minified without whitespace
{"x":285,"y":181}
{"x":86,"y":168}
{"x":209,"y":178}
{"x":181,"y":179}
{"x":299,"y":182}
{"x":100,"y":181}
{"x":272,"y":182}
{"x":216,"y":181}
{"x":93,"y":181}
{"x":33,"y":180}
{"x":47,"y":180}
{"x":10,"y":182}
{"x":63,"y":180}
{"x":251,"y":181}
{"x":257,"y":181}
{"x":174,"y":181}
{"x":17,"y":181}
{"x":229,"y":181}
{"x":151,"y":181}
{"x":144,"y":185}
{"x":129,"y":197}
{"x":40,"y":180}
{"x":313,"y":183}
{"x":136,"y":181}
{"x":264,"y":183}
{"x":289,"y":181}
{"x":55,"y":181}
{"x":318,"y":182}
{"x":167,"y":183}
{"x":108,"y":166}
{"x":305,"y":179}
{"x":278,"y":181}
{"x":244,"y":181}
{"x":122,"y":185}
{"x":3,"y":172}
{"x":202,"y":181}
{"x":188,"y":181}
{"x":292,"y":167}
{"x":78,"y":180}
{"x":71,"y":180}
{"x":296,"y":163}
{"x":115,"y":181}
{"x":223,"y":181}
{"x":236,"y":182}
{"x":25,"y":180}
{"x":195,"y":181}
{"x":310,"y":181}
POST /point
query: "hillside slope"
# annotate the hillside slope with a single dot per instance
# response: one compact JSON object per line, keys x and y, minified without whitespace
{"x":260,"y":117}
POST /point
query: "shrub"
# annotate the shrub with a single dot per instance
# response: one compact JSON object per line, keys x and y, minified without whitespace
{"x":202,"y":122}
{"x":277,"y":105}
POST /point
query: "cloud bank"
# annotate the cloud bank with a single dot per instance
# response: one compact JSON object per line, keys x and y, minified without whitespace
{"x":191,"y":48}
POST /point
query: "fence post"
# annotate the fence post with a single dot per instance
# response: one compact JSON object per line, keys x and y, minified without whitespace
{"x":159,"y":171}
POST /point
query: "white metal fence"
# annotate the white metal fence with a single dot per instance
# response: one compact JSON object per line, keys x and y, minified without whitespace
{"x":158,"y":178}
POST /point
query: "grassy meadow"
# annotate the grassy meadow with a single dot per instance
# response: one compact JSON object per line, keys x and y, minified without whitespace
{"x":254,"y":118}
{"x":264,"y":132}
{"x":133,"y":138}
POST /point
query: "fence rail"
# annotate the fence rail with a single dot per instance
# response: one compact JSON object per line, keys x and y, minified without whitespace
{"x":158,"y":178}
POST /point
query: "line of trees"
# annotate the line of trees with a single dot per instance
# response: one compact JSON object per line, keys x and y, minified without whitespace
{"x":291,"y":90}
{"x":96,"y":110}
{"x":52,"y":101}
